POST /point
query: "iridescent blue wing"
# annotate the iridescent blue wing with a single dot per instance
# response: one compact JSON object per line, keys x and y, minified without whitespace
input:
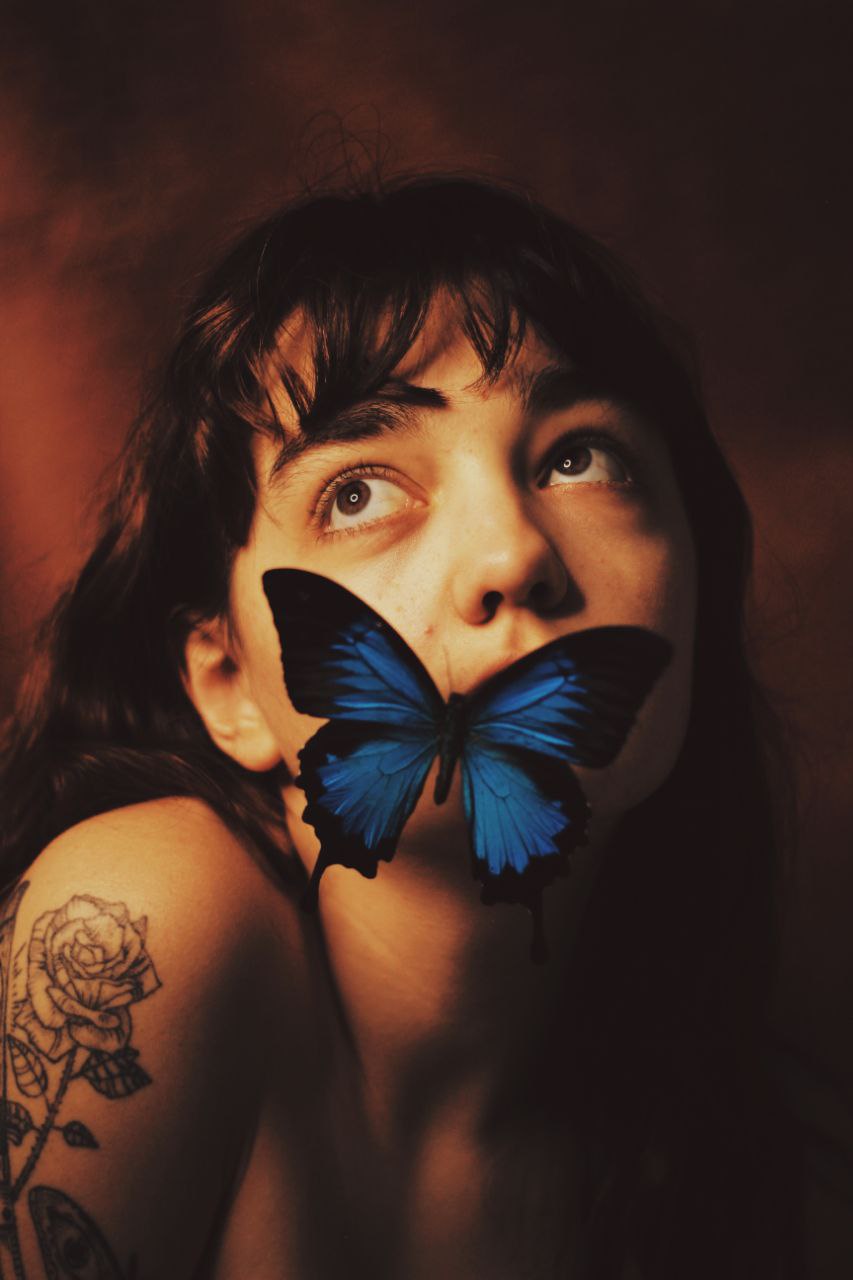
{"x":575,"y":698}
{"x":341,"y":660}
{"x":361,"y":786}
{"x":571,"y":702}
{"x":362,"y":772}
{"x":526,"y":812}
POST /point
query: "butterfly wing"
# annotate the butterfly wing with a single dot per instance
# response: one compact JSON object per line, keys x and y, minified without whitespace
{"x":526,"y":812}
{"x":363,"y":772}
{"x":571,"y":702}
{"x":361,"y":786}
{"x":575,"y":698}
{"x":342,"y":660}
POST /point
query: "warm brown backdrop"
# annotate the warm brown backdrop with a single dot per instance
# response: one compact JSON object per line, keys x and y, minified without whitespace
{"x":708,"y":142}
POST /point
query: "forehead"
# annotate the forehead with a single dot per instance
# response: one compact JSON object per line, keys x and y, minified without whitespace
{"x":443,"y":357}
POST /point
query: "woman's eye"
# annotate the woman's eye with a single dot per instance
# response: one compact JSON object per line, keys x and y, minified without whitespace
{"x":363,"y":500}
{"x":591,"y":463}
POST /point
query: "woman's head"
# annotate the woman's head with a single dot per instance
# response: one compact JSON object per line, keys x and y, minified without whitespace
{"x":347,"y":315}
{"x":340,"y":318}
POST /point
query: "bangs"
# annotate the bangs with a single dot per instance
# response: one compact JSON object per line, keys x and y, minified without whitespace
{"x":360,"y":272}
{"x":358,"y":340}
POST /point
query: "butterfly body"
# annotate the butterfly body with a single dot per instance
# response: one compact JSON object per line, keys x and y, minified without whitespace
{"x":449,"y":745}
{"x":515,"y":736}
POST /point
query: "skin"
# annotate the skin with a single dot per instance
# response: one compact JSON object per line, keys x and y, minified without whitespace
{"x":478,"y":548}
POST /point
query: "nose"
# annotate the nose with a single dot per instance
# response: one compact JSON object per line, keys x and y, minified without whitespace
{"x":504,"y":557}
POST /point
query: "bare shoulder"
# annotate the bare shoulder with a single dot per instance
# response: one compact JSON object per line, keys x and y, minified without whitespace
{"x":136,"y":958}
{"x":172,"y":846}
{"x":176,"y":856}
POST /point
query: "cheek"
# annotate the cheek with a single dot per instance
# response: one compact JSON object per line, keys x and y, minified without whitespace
{"x":290,"y":729}
{"x":631,"y":559}
{"x":653,"y":587}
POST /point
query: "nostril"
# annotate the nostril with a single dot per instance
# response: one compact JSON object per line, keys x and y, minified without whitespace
{"x":491,"y":600}
{"x":543,"y":597}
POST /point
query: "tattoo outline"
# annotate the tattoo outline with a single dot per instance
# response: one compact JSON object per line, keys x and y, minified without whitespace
{"x":66,"y":999}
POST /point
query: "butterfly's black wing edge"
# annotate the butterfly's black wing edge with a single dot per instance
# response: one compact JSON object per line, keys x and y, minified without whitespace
{"x":583,"y":648}
{"x":337,"y":847}
{"x":310,"y":612}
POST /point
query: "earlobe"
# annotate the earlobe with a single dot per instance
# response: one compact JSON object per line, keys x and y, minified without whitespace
{"x":218,"y":689}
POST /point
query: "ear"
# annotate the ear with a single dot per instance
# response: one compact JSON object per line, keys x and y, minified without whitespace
{"x":219,"y":690}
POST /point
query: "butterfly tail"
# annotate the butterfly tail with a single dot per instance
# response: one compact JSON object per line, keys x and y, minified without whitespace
{"x":360,"y":788}
{"x":526,"y":814}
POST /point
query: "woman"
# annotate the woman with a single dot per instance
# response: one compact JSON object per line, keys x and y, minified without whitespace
{"x":459,"y":408}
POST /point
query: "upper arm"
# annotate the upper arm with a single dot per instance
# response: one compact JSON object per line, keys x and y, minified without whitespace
{"x":130,"y":1056}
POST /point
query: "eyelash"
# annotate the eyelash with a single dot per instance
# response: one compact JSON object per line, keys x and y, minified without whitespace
{"x":322,"y":505}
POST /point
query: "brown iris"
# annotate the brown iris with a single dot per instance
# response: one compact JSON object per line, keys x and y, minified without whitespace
{"x":576,"y":460}
{"x":353,"y":497}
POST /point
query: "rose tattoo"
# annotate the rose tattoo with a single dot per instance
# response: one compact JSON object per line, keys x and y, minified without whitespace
{"x":70,"y":990}
{"x":85,"y":965}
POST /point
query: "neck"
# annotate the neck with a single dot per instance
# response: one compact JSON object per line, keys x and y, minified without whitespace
{"x":445,"y":1007}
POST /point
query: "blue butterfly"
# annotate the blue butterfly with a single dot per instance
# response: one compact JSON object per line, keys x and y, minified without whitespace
{"x":515,"y":736}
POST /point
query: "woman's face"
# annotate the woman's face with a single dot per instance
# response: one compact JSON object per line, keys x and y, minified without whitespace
{"x":481,"y":530}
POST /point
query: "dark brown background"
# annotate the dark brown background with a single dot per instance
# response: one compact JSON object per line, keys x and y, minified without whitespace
{"x":708,"y":142}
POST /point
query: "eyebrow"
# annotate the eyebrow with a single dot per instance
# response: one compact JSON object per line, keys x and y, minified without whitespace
{"x":399,"y":407}
{"x":563,"y":385}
